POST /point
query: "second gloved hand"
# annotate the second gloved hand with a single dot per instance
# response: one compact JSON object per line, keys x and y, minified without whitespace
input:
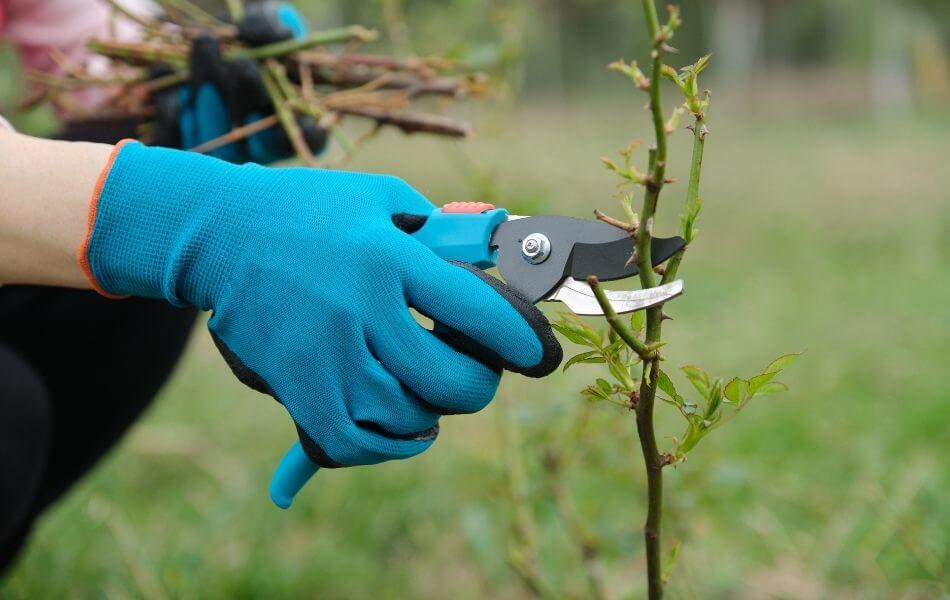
{"x":310,"y":283}
{"x":225,"y":94}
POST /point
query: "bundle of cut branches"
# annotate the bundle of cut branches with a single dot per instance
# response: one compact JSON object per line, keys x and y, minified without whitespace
{"x":319,"y":75}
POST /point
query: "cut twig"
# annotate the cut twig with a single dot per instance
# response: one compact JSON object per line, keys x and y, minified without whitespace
{"x":628,"y":227}
{"x":287,"y":119}
{"x":236,"y":134}
{"x":299,"y":79}
{"x":413,"y":122}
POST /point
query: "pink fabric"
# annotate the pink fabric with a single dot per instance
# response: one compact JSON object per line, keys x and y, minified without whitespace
{"x":39,"y":26}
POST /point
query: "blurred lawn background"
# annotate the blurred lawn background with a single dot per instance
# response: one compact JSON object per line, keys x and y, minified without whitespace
{"x":825,"y":228}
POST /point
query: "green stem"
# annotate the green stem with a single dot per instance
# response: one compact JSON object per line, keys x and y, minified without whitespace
{"x":329,"y":36}
{"x":692,"y":192}
{"x":286,"y":117}
{"x":192,"y":11}
{"x":142,"y":51}
{"x":523,"y":551}
{"x":654,"y":468}
{"x":588,"y":546}
{"x":619,"y":325}
{"x":648,"y":383}
{"x":235,"y":9}
{"x":137,"y":52}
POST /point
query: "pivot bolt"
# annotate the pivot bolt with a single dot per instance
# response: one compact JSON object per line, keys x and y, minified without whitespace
{"x":536,"y":248}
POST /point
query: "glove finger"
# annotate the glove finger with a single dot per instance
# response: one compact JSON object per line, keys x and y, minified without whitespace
{"x":269,"y":22}
{"x":361,"y":446}
{"x":446,"y":380}
{"x":335,"y":439}
{"x":390,"y":408}
{"x":332,"y":436}
{"x":481,"y":316}
{"x":212,"y":121}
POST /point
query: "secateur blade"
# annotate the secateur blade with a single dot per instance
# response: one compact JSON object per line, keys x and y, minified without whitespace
{"x":580,"y":299}
{"x":572,"y":248}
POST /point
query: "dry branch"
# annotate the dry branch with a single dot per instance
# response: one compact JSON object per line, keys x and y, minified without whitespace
{"x":300,"y":78}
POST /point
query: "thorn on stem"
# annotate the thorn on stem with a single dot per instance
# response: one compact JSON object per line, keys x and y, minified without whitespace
{"x":634,"y":259}
{"x":659,"y":270}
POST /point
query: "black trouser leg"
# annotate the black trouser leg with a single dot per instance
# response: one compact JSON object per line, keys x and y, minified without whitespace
{"x":97,"y":363}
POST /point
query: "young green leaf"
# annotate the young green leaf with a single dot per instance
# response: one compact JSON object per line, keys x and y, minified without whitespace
{"x":594,"y":393}
{"x":620,"y":373}
{"x":756,"y":383}
{"x":578,"y":332}
{"x":632,"y":71}
{"x":592,"y":356}
{"x":570,"y":333}
{"x":736,"y":391}
{"x":688,"y":220}
{"x":626,"y":202}
{"x":699,"y":379}
{"x":670,"y":561}
{"x":773,"y":387}
{"x":638,"y":319}
{"x":714,"y":401}
{"x":664,"y":382}
{"x":782,"y":362}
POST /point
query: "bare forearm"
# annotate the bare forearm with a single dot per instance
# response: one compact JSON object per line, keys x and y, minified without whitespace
{"x":45,"y":190}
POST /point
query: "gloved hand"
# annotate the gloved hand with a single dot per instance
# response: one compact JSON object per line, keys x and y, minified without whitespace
{"x":224,"y":94}
{"x":310,"y":282}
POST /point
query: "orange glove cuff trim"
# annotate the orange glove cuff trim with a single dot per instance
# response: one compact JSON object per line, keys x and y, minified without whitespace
{"x":82,"y":254}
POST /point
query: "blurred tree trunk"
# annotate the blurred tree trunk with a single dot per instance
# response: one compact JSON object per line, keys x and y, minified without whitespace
{"x":931,"y":67}
{"x":891,"y":81}
{"x":738,"y":27}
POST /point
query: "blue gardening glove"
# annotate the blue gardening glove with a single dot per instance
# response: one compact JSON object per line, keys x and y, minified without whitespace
{"x":224,"y":94}
{"x":310,"y":282}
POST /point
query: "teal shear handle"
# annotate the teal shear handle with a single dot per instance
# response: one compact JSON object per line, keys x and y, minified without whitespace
{"x":293,"y":472}
{"x":460,"y":231}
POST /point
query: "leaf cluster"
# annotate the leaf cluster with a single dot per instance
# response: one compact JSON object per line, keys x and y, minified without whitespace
{"x":719,"y":400}
{"x":604,"y":347}
{"x":628,"y":172}
{"x":687,"y":81}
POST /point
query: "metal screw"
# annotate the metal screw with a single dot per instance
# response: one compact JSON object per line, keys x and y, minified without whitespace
{"x":536,"y":248}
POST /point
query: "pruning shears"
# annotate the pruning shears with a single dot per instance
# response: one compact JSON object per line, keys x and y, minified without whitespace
{"x":544,"y":258}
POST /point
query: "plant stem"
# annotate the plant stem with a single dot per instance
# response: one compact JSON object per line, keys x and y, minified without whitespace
{"x":236,"y":134}
{"x":654,"y":468}
{"x":329,"y":36}
{"x":619,"y":325}
{"x":648,"y":383}
{"x":235,"y":9}
{"x":287,"y":119}
{"x":692,"y":192}
{"x":523,"y":553}
{"x":588,"y":546}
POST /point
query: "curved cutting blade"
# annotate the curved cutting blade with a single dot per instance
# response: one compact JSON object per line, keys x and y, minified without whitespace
{"x":578,"y":297}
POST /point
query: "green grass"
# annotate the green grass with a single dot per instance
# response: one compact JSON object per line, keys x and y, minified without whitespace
{"x":822,"y":234}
